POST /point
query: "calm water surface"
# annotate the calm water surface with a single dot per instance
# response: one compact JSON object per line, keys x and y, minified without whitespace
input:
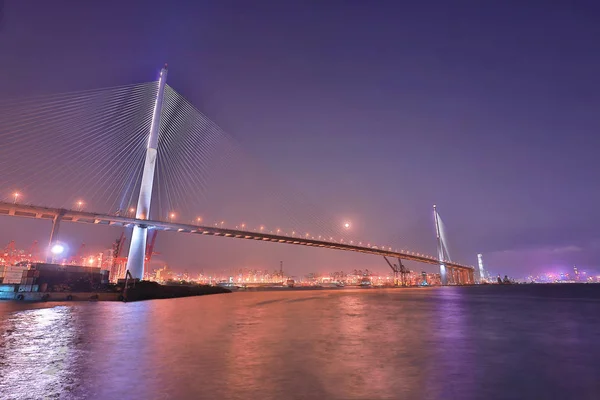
{"x":517,"y":342}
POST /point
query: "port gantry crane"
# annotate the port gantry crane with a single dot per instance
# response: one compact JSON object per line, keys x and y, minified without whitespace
{"x":150,"y":249}
{"x":118,"y":261}
{"x":79,"y":257}
{"x":399,"y":269}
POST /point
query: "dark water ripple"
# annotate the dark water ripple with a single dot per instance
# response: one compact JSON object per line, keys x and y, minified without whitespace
{"x":518,"y":342}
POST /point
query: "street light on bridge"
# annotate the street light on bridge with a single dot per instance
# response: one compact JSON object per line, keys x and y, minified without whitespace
{"x":171,"y":216}
{"x":16,"y":194}
{"x":80,"y":205}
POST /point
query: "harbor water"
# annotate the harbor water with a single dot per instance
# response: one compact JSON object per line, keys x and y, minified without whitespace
{"x":488,"y":342}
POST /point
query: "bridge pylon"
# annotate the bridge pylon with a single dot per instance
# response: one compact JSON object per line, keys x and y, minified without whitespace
{"x":137,"y":247}
{"x":441,"y":248}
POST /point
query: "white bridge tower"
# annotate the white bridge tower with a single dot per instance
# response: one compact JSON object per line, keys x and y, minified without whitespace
{"x":137,"y":249}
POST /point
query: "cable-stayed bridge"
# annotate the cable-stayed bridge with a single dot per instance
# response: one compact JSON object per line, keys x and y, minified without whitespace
{"x":126,"y":148}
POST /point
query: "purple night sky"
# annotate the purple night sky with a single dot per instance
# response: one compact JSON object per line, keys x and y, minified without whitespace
{"x":381,"y":108}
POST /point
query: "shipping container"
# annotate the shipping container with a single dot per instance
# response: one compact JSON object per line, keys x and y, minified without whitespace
{"x":7,"y":288}
{"x":12,"y":277}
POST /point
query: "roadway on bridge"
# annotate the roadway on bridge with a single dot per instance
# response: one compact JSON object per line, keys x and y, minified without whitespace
{"x":39,"y":212}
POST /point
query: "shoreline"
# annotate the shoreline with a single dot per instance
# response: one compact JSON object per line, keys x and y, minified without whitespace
{"x":141,"y":291}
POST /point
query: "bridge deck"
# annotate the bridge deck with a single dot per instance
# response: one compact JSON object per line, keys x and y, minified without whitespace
{"x":39,"y":212}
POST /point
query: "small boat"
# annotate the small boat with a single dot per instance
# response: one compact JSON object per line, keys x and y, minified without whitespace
{"x":365,"y":282}
{"x":228,"y":285}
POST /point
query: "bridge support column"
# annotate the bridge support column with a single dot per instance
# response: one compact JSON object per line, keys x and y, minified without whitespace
{"x":53,"y":237}
{"x":137,"y":248}
{"x":443,"y":274}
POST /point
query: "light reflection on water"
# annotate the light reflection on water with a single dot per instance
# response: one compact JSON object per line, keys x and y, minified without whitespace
{"x":38,"y":352}
{"x":445,"y":343}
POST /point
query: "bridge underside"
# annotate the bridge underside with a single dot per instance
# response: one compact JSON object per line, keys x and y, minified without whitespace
{"x":457,"y":273}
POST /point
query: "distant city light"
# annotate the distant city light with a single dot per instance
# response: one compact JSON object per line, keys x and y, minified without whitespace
{"x":57,"y":249}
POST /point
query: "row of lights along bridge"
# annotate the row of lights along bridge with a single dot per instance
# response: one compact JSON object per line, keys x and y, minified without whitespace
{"x":79,"y":204}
